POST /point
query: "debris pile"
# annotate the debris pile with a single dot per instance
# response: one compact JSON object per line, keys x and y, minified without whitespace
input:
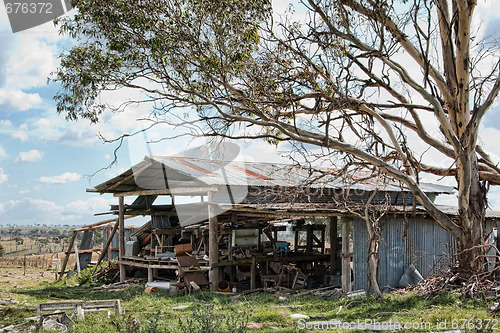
{"x":453,"y":281}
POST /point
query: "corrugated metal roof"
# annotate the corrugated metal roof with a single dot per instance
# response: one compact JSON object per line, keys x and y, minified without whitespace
{"x":152,"y":171}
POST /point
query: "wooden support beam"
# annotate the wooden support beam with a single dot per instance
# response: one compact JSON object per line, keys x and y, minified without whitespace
{"x":108,"y":243}
{"x":346,"y":254}
{"x":91,"y":226}
{"x":176,"y":191}
{"x":333,"y":243}
{"x":134,"y":173}
{"x":498,"y":248}
{"x":68,"y":252}
{"x":323,"y":241}
{"x":252,"y":274}
{"x":309,"y":241}
{"x":121,"y":235}
{"x":150,"y":274}
{"x":213,"y":254}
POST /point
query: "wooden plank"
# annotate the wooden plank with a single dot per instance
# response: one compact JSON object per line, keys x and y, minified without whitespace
{"x":87,"y":227}
{"x":79,"y":306}
{"x":346,"y":259}
{"x":121,"y":235}
{"x":213,"y":244}
{"x":177,"y":191}
{"x":68,"y":252}
{"x":146,"y":265}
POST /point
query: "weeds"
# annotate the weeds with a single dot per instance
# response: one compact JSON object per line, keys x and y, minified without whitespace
{"x":205,"y":320}
{"x":105,"y":273}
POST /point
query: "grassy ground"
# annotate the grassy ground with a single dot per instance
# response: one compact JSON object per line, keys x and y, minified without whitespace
{"x":267,"y":313}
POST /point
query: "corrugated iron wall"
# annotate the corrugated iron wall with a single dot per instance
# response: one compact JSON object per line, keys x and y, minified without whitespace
{"x":427,"y":246}
{"x":115,"y":243}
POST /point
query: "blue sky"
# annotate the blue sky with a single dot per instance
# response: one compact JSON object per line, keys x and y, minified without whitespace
{"x":45,"y":160}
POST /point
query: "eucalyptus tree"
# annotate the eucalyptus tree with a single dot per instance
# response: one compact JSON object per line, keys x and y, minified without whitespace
{"x":368,"y":82}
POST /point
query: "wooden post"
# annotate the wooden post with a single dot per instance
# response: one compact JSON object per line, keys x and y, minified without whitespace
{"x":213,"y":244}
{"x":121,"y":235}
{"x":498,"y":248}
{"x":333,"y":243}
{"x":252,"y":274}
{"x":346,"y":256}
{"x":66,"y":258}
{"x":309,"y":239}
{"x":232,"y":268}
{"x":108,"y":230}
{"x":80,"y":313}
{"x":150,"y":274}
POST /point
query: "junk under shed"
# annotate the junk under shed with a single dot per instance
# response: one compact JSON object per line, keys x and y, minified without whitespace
{"x":255,"y":225}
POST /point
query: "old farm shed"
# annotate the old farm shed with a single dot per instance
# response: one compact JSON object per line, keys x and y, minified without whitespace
{"x":252,"y":225}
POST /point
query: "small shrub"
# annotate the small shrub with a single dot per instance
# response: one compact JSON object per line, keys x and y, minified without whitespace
{"x":205,"y":320}
{"x":99,"y":275}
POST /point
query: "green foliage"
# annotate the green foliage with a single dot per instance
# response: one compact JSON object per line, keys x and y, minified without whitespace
{"x":220,"y":313}
{"x":91,"y":276}
{"x":2,"y":250}
{"x":176,"y":45}
{"x":205,"y":320}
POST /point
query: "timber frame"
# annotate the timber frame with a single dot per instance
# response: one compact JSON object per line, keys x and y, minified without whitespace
{"x":275,"y":196}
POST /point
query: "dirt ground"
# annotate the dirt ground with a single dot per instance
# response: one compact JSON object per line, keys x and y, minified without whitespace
{"x":14,"y":273}
{"x":11,"y":276}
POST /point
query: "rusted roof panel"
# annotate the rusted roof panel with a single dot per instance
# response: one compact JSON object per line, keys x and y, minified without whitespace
{"x":237,"y":173}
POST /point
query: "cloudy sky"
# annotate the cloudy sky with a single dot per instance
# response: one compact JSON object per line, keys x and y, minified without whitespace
{"x":45,"y":161}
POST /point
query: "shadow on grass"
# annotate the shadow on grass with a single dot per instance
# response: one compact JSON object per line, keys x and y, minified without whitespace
{"x":85,"y":293}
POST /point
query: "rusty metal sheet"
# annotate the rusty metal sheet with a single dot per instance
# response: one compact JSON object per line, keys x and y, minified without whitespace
{"x":235,"y":173}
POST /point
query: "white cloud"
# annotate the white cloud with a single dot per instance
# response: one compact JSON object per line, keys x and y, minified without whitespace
{"x":3,"y":176}
{"x":5,"y":123}
{"x":43,"y":123}
{"x":67,"y":177}
{"x":96,"y":204}
{"x":29,"y":156}
{"x":57,"y":130}
{"x":3,"y":154}
{"x":41,"y":211}
{"x":20,"y":135}
{"x":34,"y":59}
{"x":17,"y":100}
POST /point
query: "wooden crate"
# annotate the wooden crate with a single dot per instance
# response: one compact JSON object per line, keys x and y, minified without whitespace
{"x":183,"y":249}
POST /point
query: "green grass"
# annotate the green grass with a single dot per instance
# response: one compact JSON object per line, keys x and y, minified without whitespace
{"x":272,"y":313}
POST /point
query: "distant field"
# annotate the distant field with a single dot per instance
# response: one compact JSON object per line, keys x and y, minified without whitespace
{"x":20,"y":241}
